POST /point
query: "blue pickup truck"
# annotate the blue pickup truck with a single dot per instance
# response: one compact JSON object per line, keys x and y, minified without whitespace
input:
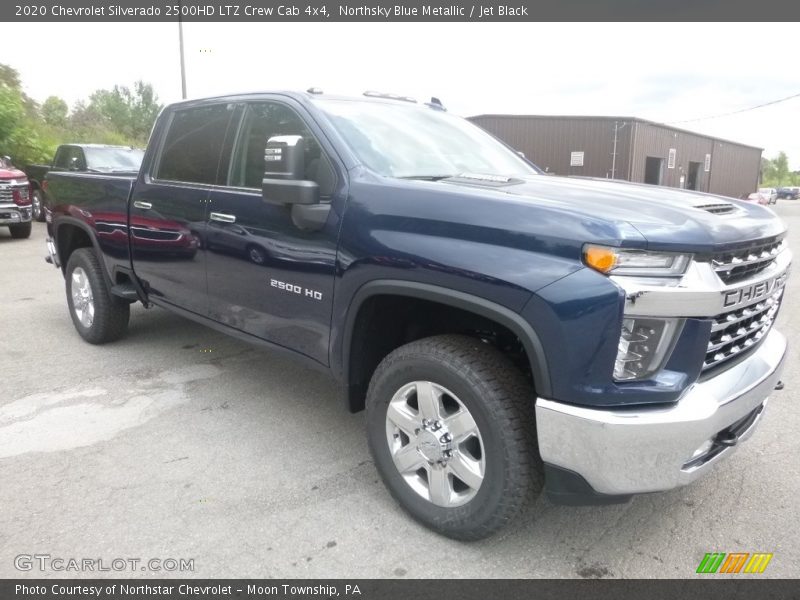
{"x":508,"y":332}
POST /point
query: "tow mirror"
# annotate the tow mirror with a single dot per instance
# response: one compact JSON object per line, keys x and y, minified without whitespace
{"x":283,"y":183}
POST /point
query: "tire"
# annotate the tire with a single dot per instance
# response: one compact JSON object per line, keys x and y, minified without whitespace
{"x":21,"y":231}
{"x":99,"y":317}
{"x":37,"y":205}
{"x":256,"y":254}
{"x":467,"y":376}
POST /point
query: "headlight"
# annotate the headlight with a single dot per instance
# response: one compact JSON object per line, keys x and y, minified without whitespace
{"x":643,"y":345}
{"x":620,"y":261}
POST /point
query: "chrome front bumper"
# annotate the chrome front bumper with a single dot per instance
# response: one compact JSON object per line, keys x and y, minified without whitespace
{"x":630,"y":451}
{"x":11,"y":214}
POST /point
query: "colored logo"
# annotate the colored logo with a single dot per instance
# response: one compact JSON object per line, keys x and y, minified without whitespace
{"x":734,"y":562}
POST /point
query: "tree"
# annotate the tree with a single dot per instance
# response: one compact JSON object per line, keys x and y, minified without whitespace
{"x":129,"y":112}
{"x":20,"y":135}
{"x":775,"y":171}
{"x":54,"y":111}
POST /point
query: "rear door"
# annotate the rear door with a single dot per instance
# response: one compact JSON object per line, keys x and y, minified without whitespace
{"x":266,"y":276}
{"x":168,"y":212}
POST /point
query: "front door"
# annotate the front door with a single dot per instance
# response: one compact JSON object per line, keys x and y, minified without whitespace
{"x":266,"y":276}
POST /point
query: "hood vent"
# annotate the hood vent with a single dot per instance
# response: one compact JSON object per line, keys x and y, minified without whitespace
{"x":720,"y":208}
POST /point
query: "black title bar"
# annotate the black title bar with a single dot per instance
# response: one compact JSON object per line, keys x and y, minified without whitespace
{"x":276,"y":11}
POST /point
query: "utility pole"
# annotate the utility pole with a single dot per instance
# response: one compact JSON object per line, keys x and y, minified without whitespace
{"x":183,"y":64}
{"x":617,"y":129}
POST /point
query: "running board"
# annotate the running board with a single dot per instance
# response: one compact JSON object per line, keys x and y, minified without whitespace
{"x":126,"y":291}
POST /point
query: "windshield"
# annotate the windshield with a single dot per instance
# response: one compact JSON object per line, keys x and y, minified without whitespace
{"x":114,"y":159}
{"x":412,"y":141}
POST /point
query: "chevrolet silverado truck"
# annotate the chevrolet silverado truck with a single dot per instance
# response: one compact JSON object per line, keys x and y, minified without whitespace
{"x":508,"y":333}
{"x":15,"y":201}
{"x":89,"y":158}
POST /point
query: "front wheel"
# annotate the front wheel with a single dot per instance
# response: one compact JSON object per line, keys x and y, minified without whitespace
{"x":21,"y":231}
{"x":450,"y":423}
{"x":37,"y":205}
{"x":98,"y":315}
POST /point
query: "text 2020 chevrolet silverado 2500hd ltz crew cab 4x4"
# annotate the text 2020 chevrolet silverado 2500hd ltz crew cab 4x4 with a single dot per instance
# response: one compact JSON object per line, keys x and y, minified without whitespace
{"x":506,"y":331}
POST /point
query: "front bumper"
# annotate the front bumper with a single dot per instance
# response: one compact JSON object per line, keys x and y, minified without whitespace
{"x":11,"y":214}
{"x":629,"y":451}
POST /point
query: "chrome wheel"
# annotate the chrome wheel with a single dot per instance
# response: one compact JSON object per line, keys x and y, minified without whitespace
{"x":82,"y":298}
{"x":36,"y":201}
{"x":435,"y":444}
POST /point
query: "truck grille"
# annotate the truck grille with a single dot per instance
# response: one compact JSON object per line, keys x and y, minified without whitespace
{"x":744,"y":262}
{"x":7,"y":192}
{"x":740,"y":330}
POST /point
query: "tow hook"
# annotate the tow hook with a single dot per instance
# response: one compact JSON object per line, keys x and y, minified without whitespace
{"x":779,"y":385}
{"x":727,"y":438}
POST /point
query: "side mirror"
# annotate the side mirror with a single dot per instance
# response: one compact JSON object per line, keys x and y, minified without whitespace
{"x":283,"y":183}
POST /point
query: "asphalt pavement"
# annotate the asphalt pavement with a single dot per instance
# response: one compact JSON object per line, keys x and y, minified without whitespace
{"x":179,"y":442}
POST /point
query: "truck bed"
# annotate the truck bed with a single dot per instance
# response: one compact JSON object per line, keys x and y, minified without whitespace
{"x":100,"y":204}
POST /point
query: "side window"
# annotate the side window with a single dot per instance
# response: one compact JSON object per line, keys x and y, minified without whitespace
{"x":62,"y":157}
{"x":194,"y":144}
{"x":267,"y":119}
{"x":80,"y":159}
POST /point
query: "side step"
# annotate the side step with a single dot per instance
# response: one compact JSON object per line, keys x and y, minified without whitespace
{"x":126,"y":291}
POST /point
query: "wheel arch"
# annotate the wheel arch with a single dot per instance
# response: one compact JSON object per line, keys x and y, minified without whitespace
{"x":481,"y":307}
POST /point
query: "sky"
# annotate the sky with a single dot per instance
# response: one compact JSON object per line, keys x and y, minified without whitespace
{"x":665,"y":72}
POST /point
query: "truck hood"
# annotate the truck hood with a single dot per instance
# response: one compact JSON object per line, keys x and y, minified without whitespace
{"x":667,"y":218}
{"x":11,"y":174}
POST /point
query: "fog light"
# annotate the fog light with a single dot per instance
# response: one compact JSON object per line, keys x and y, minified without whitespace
{"x":643,"y":345}
{"x":703,"y":449}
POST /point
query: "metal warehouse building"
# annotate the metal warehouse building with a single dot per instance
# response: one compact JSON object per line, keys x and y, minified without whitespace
{"x":632,"y":149}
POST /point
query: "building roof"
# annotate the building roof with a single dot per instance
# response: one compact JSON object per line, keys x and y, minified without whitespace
{"x":612,"y":118}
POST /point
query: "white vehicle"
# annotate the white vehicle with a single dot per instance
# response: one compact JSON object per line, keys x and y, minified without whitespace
{"x":770,"y":193}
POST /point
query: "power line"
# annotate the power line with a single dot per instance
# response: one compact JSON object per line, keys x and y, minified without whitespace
{"x":736,"y":112}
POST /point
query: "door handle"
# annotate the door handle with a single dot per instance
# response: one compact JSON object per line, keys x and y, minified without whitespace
{"x":142,"y":205}
{"x":222,"y":217}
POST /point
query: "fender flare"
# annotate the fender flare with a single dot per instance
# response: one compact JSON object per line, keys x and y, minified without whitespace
{"x":60,"y":222}
{"x":475,"y":304}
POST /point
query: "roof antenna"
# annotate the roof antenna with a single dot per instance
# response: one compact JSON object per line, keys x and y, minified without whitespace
{"x":314,"y":90}
{"x":435,"y":103}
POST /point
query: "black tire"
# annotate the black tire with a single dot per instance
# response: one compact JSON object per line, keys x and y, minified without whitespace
{"x":501,"y":402}
{"x":256,"y":254}
{"x":111,"y":314}
{"x":37,"y":205}
{"x":21,"y":231}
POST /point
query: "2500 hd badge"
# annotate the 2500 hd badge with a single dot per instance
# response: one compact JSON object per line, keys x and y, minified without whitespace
{"x":296,"y":289}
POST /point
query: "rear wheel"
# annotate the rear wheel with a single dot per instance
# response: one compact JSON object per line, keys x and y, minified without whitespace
{"x":98,"y":315}
{"x":451,"y":428}
{"x":37,"y":205}
{"x":21,"y":231}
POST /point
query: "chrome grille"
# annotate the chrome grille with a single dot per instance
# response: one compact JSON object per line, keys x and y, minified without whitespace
{"x":744,"y":262}
{"x":739,"y":330}
{"x":7,"y":192}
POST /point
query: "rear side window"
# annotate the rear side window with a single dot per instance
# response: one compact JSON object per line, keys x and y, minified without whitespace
{"x":70,"y":157}
{"x":194,"y":144}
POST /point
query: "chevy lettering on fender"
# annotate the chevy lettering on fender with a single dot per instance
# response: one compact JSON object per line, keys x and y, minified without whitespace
{"x":507,"y":332}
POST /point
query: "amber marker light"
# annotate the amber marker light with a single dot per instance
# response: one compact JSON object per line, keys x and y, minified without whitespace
{"x":600,"y":258}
